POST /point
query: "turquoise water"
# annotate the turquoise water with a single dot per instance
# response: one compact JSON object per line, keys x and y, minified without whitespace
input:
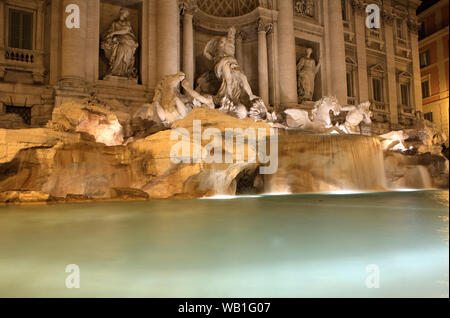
{"x":271,"y":246}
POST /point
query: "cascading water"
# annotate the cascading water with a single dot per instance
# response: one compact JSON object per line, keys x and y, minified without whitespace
{"x":324,"y":163}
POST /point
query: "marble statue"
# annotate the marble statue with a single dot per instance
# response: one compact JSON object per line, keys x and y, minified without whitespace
{"x":319,"y":121}
{"x":169,"y":104}
{"x":120,"y":44}
{"x":424,"y":137}
{"x":355,"y":116}
{"x":306,"y":71}
{"x":235,"y":92}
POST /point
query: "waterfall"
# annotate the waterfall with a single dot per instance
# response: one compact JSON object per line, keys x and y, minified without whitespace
{"x":323,"y":163}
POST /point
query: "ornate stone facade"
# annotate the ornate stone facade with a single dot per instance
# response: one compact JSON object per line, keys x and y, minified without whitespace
{"x":357,"y":64}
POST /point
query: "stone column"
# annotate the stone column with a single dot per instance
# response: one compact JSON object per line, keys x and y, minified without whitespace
{"x":274,"y":80}
{"x":92,"y":41}
{"x":414,"y":27}
{"x":2,"y":42}
{"x":2,"y":25}
{"x":361,"y":54}
{"x":287,"y":55}
{"x":168,"y":37}
{"x":391,"y":70}
{"x":40,"y":27}
{"x":152,"y":44}
{"x":240,"y":36}
{"x":263,"y":67}
{"x":55,"y":48}
{"x":73,"y":59}
{"x":338,"y":68}
{"x":187,"y":11}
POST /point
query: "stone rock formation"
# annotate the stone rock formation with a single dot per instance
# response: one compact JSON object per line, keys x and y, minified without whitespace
{"x":12,"y":121}
{"x":95,"y":119}
{"x":69,"y":166}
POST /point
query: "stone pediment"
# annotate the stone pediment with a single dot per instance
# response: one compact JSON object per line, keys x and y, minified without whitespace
{"x":376,"y":69}
{"x":405,"y":75}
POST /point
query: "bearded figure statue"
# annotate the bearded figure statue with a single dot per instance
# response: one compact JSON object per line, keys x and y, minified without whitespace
{"x":235,"y":91}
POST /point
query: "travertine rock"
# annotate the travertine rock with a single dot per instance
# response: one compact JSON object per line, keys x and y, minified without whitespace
{"x":14,"y":141}
{"x":66,"y":163}
{"x":23,"y":196}
{"x":97,"y":120}
{"x":12,"y":121}
{"x":416,"y":171}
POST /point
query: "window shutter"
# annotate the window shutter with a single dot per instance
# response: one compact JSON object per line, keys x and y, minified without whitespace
{"x":27,"y":31}
{"x":14,"y":29}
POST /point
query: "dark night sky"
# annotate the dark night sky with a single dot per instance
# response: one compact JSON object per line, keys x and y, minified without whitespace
{"x":426,"y":4}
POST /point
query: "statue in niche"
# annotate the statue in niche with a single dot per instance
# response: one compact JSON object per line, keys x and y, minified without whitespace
{"x":305,"y":8}
{"x":235,"y":95}
{"x":120,"y":44}
{"x":306,"y":73}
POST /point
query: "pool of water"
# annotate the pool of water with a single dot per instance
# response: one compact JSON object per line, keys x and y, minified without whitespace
{"x":270,"y":246}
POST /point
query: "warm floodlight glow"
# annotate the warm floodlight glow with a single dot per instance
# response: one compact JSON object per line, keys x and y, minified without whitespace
{"x":277,"y":193}
{"x":230,"y":197}
{"x":345,"y":192}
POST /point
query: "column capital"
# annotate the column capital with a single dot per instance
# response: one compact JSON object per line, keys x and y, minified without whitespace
{"x":241,"y":35}
{"x":413,"y":25}
{"x":388,"y":16}
{"x":187,"y":7}
{"x":359,"y":7}
{"x":264,"y":26}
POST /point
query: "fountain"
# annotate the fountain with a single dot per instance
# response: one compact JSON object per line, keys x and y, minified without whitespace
{"x":325,"y":163}
{"x":95,"y":150}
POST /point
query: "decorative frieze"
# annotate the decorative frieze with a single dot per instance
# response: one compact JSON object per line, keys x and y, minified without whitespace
{"x":305,"y":8}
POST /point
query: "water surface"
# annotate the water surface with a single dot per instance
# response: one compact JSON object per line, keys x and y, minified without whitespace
{"x":271,"y":246}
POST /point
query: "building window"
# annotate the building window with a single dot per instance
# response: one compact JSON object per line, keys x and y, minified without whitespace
{"x":24,"y":112}
{"x":377,"y":90}
{"x":404,"y":89}
{"x":425,"y":89}
{"x":424,"y":58}
{"x":20,"y":29}
{"x":428,"y":116}
{"x":422,"y":31}
{"x":350,"y":85}
{"x":344,"y":10}
{"x":400,"y":29}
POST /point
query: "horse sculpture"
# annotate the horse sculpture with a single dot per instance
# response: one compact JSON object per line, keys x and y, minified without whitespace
{"x":356,"y":115}
{"x":320,"y":120}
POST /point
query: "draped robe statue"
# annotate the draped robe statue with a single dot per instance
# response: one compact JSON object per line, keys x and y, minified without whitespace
{"x":306,"y":70}
{"x":120,"y":44}
{"x":221,"y":50}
